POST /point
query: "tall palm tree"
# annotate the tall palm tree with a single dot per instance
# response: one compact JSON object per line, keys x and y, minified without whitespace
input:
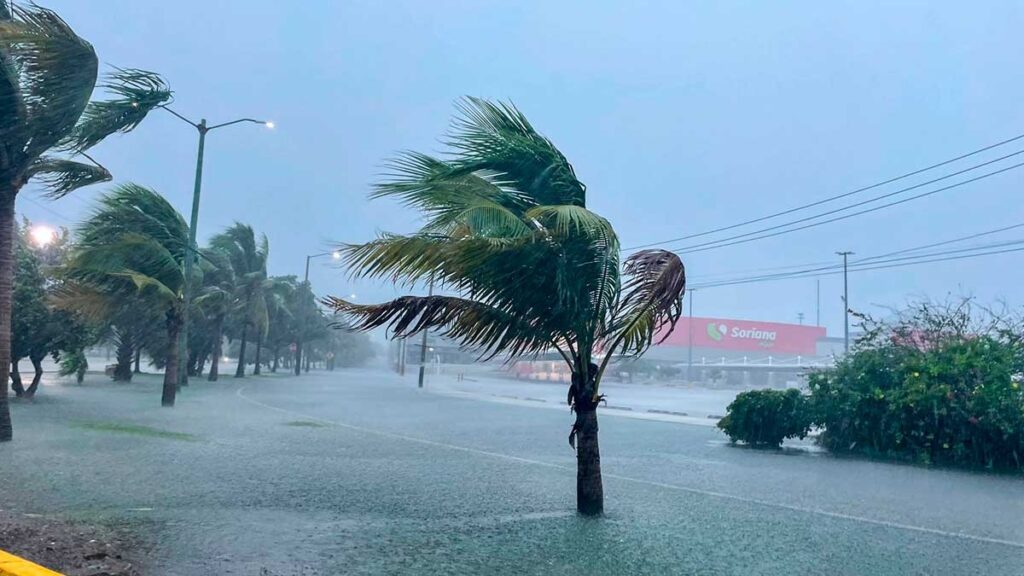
{"x":133,"y":246}
{"x":248,"y":259}
{"x":215,"y":301}
{"x":508,"y":231}
{"x":47,"y":76}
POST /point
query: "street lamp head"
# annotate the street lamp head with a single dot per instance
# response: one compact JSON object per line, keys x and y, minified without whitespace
{"x":269,"y":124}
{"x":336,"y":255}
{"x":42,"y":236}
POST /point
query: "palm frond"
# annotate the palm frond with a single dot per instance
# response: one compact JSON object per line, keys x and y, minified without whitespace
{"x":135,"y":94}
{"x":498,"y":138}
{"x":472,"y":324}
{"x":568,"y":220}
{"x":56,"y":73}
{"x":653,"y":299}
{"x":62,"y":176}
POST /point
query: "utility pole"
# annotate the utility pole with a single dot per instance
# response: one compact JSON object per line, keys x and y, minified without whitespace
{"x":423,"y":346}
{"x":846,"y":302}
{"x":689,"y":342}
{"x":800,"y":318}
{"x":817,"y":302}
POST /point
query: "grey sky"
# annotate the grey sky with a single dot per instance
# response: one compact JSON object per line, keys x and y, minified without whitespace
{"x":679,"y":117}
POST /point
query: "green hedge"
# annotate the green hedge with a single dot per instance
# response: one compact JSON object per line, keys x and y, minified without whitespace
{"x":764,"y":418}
{"x":958,"y":402}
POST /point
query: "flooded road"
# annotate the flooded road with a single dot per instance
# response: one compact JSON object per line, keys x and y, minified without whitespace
{"x":358,"y":472}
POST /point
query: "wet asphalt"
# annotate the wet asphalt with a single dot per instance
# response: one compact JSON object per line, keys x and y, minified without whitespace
{"x":358,"y":472}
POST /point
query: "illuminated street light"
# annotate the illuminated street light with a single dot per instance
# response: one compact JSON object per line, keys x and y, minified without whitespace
{"x":42,"y":236}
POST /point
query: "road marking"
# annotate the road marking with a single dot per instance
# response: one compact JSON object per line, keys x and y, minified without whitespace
{"x":653,"y":483}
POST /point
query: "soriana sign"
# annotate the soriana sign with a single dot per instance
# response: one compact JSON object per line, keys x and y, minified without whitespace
{"x":746,"y":335}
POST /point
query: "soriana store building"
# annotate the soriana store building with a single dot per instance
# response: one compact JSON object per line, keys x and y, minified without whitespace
{"x":715,"y":338}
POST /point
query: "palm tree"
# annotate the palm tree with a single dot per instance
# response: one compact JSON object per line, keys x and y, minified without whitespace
{"x":248,"y":259}
{"x":47,"y":76}
{"x":508,"y":231}
{"x":215,"y":301}
{"x":276,"y":292}
{"x":134,"y":245}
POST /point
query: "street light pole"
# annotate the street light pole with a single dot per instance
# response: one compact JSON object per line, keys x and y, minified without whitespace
{"x":192,"y":251}
{"x":846,"y":303}
{"x":423,"y":346}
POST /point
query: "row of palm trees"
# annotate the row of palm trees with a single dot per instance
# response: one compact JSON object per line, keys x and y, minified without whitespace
{"x":126,"y":271}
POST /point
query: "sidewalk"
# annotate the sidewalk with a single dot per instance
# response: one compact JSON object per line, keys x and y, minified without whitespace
{"x":700,"y":406}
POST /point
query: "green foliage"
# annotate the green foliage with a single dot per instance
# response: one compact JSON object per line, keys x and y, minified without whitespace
{"x":508,"y":234}
{"x":74,"y":363}
{"x":765,"y":418}
{"x":941,"y":384}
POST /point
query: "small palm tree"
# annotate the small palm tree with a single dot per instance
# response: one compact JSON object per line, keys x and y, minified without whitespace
{"x":133,"y":246}
{"x":248,"y":259}
{"x":508,"y":231}
{"x":276,"y":294}
{"x":47,"y":76}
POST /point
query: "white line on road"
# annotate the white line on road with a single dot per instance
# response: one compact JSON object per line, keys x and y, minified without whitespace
{"x":676,"y":487}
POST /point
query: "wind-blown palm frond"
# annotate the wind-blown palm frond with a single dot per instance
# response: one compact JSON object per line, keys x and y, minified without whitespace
{"x":653,"y":299}
{"x":49,"y":74}
{"x":136,"y":94}
{"x":134,"y":209}
{"x":498,"y":138}
{"x":472,"y":324}
{"x":62,"y":176}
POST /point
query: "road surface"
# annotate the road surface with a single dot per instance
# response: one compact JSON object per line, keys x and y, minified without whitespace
{"x":358,"y":472}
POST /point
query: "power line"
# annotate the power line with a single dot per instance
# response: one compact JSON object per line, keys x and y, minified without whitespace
{"x":743,"y":238}
{"x":881,"y":265}
{"x":738,"y":274}
{"x":832,"y":198}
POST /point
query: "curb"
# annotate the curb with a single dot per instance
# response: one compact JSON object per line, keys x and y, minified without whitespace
{"x":11,"y":565}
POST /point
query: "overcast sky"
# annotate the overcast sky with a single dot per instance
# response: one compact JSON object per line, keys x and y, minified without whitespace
{"x":679,"y":117}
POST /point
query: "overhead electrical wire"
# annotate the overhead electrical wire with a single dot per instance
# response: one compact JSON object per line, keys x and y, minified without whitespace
{"x":831,"y":198}
{"x":749,"y":237}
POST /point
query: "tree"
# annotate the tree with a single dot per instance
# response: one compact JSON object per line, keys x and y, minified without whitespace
{"x":248,"y":259}
{"x":47,"y":76}
{"x":38,"y":329}
{"x":508,"y":231}
{"x":134,"y":245}
{"x":214,"y":302}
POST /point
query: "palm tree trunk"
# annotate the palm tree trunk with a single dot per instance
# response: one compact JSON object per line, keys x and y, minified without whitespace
{"x":240,"y":371}
{"x":138,"y":360}
{"x":7,"y":195}
{"x":37,"y":365}
{"x":259,"y":349}
{"x":171,"y":367}
{"x":277,"y":355}
{"x":298,"y":356}
{"x":589,"y":488}
{"x":215,"y":354}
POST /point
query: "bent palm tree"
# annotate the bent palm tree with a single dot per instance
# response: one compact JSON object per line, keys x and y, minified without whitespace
{"x":507,"y":229}
{"x":133,"y":246}
{"x":248,"y":259}
{"x":47,"y":75}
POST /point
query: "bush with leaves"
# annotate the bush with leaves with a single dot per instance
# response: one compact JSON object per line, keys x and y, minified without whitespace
{"x":764,"y":418}
{"x":940,"y":384}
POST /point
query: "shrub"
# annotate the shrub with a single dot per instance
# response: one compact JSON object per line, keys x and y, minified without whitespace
{"x":935,"y":386}
{"x":765,"y":418}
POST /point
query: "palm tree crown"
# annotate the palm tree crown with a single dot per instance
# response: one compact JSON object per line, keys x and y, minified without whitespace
{"x":507,"y":229}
